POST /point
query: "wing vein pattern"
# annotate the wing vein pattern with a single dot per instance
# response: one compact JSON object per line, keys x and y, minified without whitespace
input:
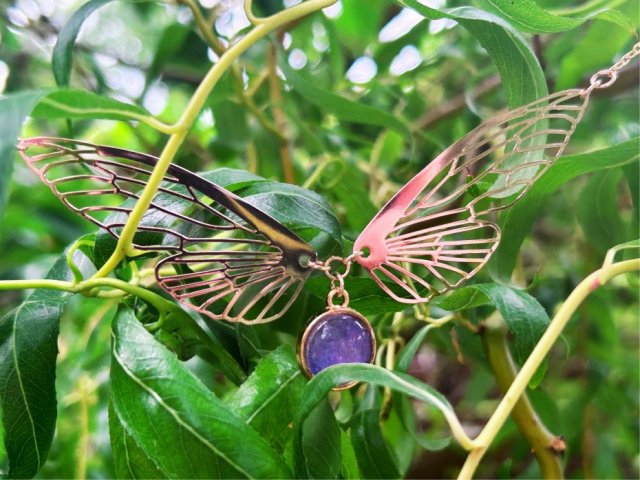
{"x":224,"y":258}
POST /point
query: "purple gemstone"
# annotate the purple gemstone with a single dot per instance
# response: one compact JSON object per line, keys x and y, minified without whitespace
{"x":335,"y":338}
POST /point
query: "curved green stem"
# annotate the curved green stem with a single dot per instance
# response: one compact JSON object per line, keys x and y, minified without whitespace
{"x":190,"y":115}
{"x":545,"y":446}
{"x":146,"y":119}
{"x":77,"y":274}
{"x":161,"y":304}
{"x":519,"y":385}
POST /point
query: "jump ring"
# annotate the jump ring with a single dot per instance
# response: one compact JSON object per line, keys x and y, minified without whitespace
{"x":340,"y":293}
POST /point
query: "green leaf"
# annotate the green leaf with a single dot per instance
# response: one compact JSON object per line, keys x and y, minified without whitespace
{"x":349,"y":468}
{"x":14,"y":109}
{"x":172,"y":40}
{"x":232,"y":179}
{"x":153,"y":392}
{"x":352,"y":192}
{"x":300,"y":210}
{"x":372,"y":452}
{"x":320,"y":385}
{"x":520,"y":72}
{"x":78,"y":105}
{"x":3,"y":450}
{"x":527,"y":15}
{"x":524,"y":316}
{"x":305,"y":212}
{"x":365,"y":295}
{"x":129,"y":459}
{"x":62,"y":57}
{"x":411,"y":348}
{"x":267,"y":399}
{"x":595,"y":50}
{"x":28,"y":352}
{"x":599,"y":213}
{"x":516,"y":222}
{"x":320,"y":444}
{"x":342,"y":107}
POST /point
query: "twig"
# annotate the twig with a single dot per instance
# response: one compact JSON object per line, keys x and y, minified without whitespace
{"x":452,"y":106}
{"x":280,"y":118}
{"x":546,"y":447}
{"x":519,"y":385}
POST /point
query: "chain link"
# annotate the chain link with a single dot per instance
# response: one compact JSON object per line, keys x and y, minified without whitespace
{"x":606,"y":78}
{"x":626,"y":58}
{"x":331,"y":267}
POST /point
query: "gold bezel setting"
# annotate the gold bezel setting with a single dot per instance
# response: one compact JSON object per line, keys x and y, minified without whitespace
{"x":313,"y":325}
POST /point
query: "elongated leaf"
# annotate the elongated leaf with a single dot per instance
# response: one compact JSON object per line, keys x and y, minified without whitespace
{"x":4,"y":463}
{"x":62,"y":58}
{"x":342,"y":107}
{"x":349,"y":468}
{"x":321,"y":452}
{"x":129,"y":459}
{"x":411,"y":348}
{"x":233,"y":179}
{"x":78,"y":104}
{"x":317,"y":389}
{"x":28,"y":352}
{"x":267,"y":399}
{"x":372,"y":452}
{"x":516,"y":222}
{"x":597,"y":49}
{"x":520,"y":72}
{"x":300,"y":210}
{"x":530,"y":17}
{"x":599,"y":213}
{"x":14,"y":109}
{"x":525,"y":317}
{"x":153,"y":392}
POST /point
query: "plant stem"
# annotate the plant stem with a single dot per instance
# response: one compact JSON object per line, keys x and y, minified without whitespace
{"x":184,"y":124}
{"x":279,"y":117}
{"x":545,"y":446}
{"x":219,"y":49}
{"x":162,"y":305}
{"x":86,"y":398}
{"x":519,"y":385}
{"x":147,"y":119}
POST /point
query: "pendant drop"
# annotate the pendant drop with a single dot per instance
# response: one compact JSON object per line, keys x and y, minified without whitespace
{"x":340,"y":335}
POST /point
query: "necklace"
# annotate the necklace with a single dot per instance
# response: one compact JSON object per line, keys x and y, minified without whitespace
{"x":227,"y":259}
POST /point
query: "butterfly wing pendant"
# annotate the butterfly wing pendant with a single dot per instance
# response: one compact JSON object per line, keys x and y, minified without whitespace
{"x":226,"y":259}
{"x":441,"y":228}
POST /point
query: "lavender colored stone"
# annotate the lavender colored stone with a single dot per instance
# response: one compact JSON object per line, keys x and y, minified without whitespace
{"x":338,"y":338}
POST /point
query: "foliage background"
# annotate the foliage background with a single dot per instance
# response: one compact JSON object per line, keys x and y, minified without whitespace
{"x":435,"y":77}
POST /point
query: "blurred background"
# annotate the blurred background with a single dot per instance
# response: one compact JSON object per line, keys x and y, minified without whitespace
{"x":436,"y":76}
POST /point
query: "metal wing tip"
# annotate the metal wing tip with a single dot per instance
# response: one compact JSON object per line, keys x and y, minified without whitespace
{"x":24,"y":143}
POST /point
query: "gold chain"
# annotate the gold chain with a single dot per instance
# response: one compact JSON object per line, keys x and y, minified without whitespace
{"x":336,"y":277}
{"x":606,"y":78}
{"x":626,"y":58}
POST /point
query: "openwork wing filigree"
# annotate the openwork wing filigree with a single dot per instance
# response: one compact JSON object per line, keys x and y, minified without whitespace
{"x":226,"y":258}
{"x":440,"y":228}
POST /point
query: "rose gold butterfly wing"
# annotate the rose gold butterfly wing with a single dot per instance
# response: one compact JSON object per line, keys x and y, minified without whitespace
{"x":226,"y":258}
{"x":440,"y":229}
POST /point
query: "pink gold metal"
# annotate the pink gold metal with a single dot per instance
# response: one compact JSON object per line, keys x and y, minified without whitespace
{"x":227,"y":259}
{"x":439,"y":230}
